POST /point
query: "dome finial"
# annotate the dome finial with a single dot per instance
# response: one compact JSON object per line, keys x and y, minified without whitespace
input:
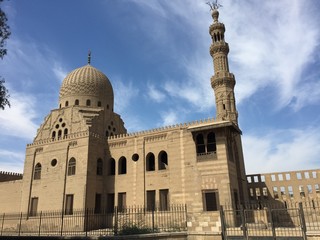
{"x":89,"y":57}
{"x":214,"y":6}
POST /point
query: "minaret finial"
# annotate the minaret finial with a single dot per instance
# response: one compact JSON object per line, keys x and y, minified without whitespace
{"x":214,"y":6}
{"x":89,"y":57}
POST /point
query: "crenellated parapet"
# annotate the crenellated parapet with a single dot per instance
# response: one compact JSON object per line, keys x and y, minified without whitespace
{"x":160,"y":130}
{"x":65,"y":138}
{"x":10,"y":176}
{"x":156,"y":132}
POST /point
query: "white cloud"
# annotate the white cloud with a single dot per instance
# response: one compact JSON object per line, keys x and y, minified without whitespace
{"x":283,"y":150}
{"x":169,"y":118}
{"x":275,"y":49}
{"x":124,"y":93}
{"x":59,"y":71}
{"x":13,"y":163}
{"x":271,"y":43}
{"x":155,"y":94}
{"x":18,"y":120}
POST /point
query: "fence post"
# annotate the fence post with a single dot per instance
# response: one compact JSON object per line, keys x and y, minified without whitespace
{"x":243,"y":220}
{"x":61,"y":230}
{"x":271,"y":223}
{"x":40,"y":224}
{"x":186,"y":216}
{"x":303,"y":221}
{"x":86,"y":221}
{"x":115,"y":230}
{"x":20,"y":223}
{"x":223,"y":224}
{"x":153,"y":219}
{"x":2,"y":223}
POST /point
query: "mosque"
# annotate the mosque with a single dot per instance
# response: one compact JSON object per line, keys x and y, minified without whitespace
{"x":82,"y":156}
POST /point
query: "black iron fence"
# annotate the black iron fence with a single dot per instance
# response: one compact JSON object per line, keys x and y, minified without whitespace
{"x":283,"y":219}
{"x":87,"y":222}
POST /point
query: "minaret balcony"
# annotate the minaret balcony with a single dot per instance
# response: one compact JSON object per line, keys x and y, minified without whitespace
{"x":227,"y":81}
{"x":216,"y":27}
{"x":219,"y":47}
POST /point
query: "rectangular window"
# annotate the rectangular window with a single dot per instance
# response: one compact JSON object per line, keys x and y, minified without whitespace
{"x":69,"y":204}
{"x":299,"y":177}
{"x":280,"y":177}
{"x":255,"y":179}
{"x":273,"y":178}
{"x":34,"y":206}
{"x":258,"y":193}
{"x":288,"y":176}
{"x":275,"y":193}
{"x":309,"y":187}
{"x":263,"y":178}
{"x":314,"y":174}
{"x":251,"y":193}
{"x":151,"y":200}
{"x":122,"y":201}
{"x":306,"y":175}
{"x":265,"y":192}
{"x":316,"y":188}
{"x":164,"y":199}
{"x":210,"y":200}
{"x":290,"y":191}
{"x":282,"y":191}
{"x":97,"y":205}
{"x":301,"y":190}
{"x":110,"y":202}
{"x":249,"y":179}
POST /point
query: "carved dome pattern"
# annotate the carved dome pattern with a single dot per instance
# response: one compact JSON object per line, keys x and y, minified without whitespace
{"x":86,"y":80}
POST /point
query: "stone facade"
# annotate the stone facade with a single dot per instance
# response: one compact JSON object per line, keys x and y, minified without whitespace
{"x":82,"y":156}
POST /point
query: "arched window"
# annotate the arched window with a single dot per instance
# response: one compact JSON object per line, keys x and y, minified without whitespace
{"x":122,"y":165}
{"x":99,"y":167}
{"x":59,"y":134}
{"x":72,"y":167}
{"x":76,"y":102}
{"x":162,"y":160}
{"x":200,"y":144}
{"x":67,"y":104}
{"x":37,"y":171}
{"x":59,"y":105}
{"x":150,"y":162}
{"x":211,"y":142}
{"x":53,"y":135}
{"x":112,"y":166}
{"x":88,"y":102}
{"x":99,"y":104}
{"x":65,"y":133}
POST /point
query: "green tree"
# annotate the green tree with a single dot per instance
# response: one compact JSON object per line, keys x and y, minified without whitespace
{"x":4,"y":35}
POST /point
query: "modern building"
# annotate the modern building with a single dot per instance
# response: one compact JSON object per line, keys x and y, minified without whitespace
{"x":293,"y":186}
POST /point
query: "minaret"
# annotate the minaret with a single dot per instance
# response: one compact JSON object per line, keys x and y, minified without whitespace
{"x":223,"y":81}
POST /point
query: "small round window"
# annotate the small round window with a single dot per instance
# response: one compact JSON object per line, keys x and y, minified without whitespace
{"x":135,"y":157}
{"x":54,"y":162}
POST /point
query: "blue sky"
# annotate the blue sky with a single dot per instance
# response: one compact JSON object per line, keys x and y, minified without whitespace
{"x":156,"y":55}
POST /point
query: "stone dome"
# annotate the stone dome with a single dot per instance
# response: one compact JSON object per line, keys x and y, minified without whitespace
{"x":86,"y":84}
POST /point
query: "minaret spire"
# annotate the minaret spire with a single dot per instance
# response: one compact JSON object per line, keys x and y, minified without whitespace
{"x":222,"y":81}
